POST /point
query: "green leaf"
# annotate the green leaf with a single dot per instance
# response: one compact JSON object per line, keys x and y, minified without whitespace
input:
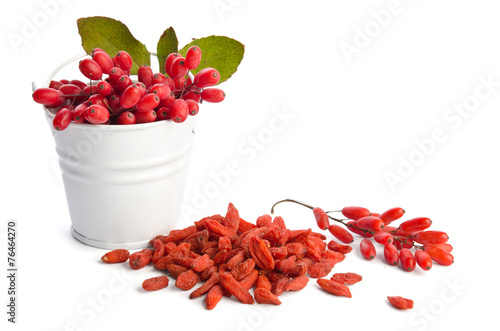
{"x":112,"y":36}
{"x":167,"y":44}
{"x":219,"y":52}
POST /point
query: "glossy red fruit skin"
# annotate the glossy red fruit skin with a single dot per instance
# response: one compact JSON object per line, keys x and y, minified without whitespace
{"x":103,"y":60}
{"x":193,"y":57}
{"x":126,"y":118}
{"x":206,"y":77}
{"x":403,"y":242}
{"x":114,"y":75}
{"x":178,"y":69}
{"x":46,"y":95}
{"x":383,"y":238}
{"x":142,"y":87}
{"x":446,"y":247}
{"x":321,"y":218}
{"x":104,"y":88}
{"x":148,"y":102}
{"x":123,"y":82}
{"x":78,"y":114}
{"x":161,"y":90}
{"x":179,"y":110}
{"x":367,"y":249}
{"x":70,"y":89}
{"x":351,"y":227}
{"x":55,"y":84}
{"x":354,"y":212}
{"x":90,"y":69}
{"x":440,"y":256}
{"x":168,"y":62}
{"x":340,"y":233}
{"x":62,"y":119}
{"x":78,"y":83}
{"x":114,"y":103}
{"x":130,"y":97}
{"x":158,"y":78}
{"x":97,"y":99}
{"x":407,"y":259}
{"x":145,"y":75}
{"x":163,"y":113}
{"x":415,"y":224}
{"x":213,"y":95}
{"x":423,"y":259}
{"x":391,"y":254}
{"x":145,"y":116}
{"x":193,"y":107}
{"x":192,"y":96}
{"x":430,"y":237}
{"x":370,"y":223}
{"x":96,"y":114}
{"x":391,"y":215}
{"x":124,"y":60}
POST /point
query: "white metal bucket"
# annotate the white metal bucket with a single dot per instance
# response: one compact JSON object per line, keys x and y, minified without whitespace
{"x":124,"y":183}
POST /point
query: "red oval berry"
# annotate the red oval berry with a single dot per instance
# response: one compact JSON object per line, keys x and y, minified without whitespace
{"x":130,"y":97}
{"x":77,"y":114}
{"x":352,"y":226}
{"x":90,"y":69}
{"x":354,"y":212}
{"x":142,"y":87}
{"x":423,"y":259}
{"x":163,"y":113}
{"x":178,"y":69}
{"x":391,"y":254}
{"x":370,"y":223}
{"x":400,"y":303}
{"x":193,"y":106}
{"x":125,"y":118}
{"x":144,"y":75}
{"x":97,"y":99}
{"x":321,"y":218}
{"x":103,"y":60}
{"x":340,"y":233}
{"x":96,"y":114}
{"x":158,"y":78}
{"x":193,"y":57}
{"x":415,"y":224}
{"x":439,"y":255}
{"x":407,"y":259}
{"x":114,"y":103}
{"x":446,"y":247}
{"x":114,"y":75}
{"x":78,"y":83}
{"x":55,"y":84}
{"x":123,"y":82}
{"x":168,"y":63}
{"x":179,"y":110}
{"x":367,"y":249}
{"x":104,"y":88}
{"x":46,"y":95}
{"x":145,"y":116}
{"x":383,"y":238}
{"x":213,"y":95}
{"x":430,"y":237}
{"x":148,"y":102}
{"x":206,"y":77}
{"x":124,"y":60}
{"x":62,"y":119}
{"x":192,"y":96}
{"x":391,"y":215}
{"x":161,"y":90}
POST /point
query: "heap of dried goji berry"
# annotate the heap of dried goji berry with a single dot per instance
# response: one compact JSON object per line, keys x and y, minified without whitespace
{"x":232,"y":256}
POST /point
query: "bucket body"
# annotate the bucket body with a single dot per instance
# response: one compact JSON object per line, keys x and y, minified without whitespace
{"x":124,"y":183}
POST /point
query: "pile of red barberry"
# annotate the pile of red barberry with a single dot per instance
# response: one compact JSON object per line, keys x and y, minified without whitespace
{"x":410,"y":243}
{"x":117,"y":99}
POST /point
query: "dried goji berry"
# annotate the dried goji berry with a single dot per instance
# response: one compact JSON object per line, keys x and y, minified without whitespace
{"x":332,"y":255}
{"x":201,"y":263}
{"x":228,"y":282}
{"x":338,"y":247}
{"x":213,"y":297}
{"x":261,"y":254}
{"x":264,"y":220}
{"x":263,"y":282}
{"x":264,"y":296}
{"x":245,"y":226}
{"x":219,"y":230}
{"x":285,"y":265}
{"x":211,"y":282}
{"x":155,"y":283}
{"x":347,"y":278}
{"x":224,"y":244}
{"x":207,"y":273}
{"x":400,"y":303}
{"x":197,"y":240}
{"x":187,"y":280}
{"x":278,"y":282}
{"x":238,"y":256}
{"x":175,"y":270}
{"x":321,"y":269}
{"x":116,"y":256}
{"x":159,"y":250}
{"x":297,"y":283}
{"x":243,"y":269}
{"x":279,"y":253}
{"x":249,"y":281}
{"x":334,"y":288}
{"x":297,"y":249}
{"x":232,"y":218}
{"x":178,"y":235}
{"x":140,"y":259}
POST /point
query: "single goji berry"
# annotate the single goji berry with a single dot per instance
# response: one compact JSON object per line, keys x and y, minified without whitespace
{"x":439,"y":255}
{"x":322,"y":268}
{"x":228,"y":282}
{"x":355,"y":213}
{"x":249,"y":281}
{"x":243,"y":269}
{"x":159,"y":250}
{"x":341,"y":234}
{"x":140,"y":259}
{"x":175,"y":270}
{"x":338,"y":247}
{"x":423,"y":259}
{"x":321,"y":218}
{"x":213,"y":297}
{"x":261,"y":254}
{"x":334,"y":288}
{"x":211,"y":282}
{"x":187,"y":280}
{"x":155,"y":283}
{"x":116,"y":256}
{"x":297,"y":283}
{"x":400,"y":302}
{"x":263,"y":282}
{"x":232,"y":218}
{"x":347,"y":278}
{"x":407,"y":259}
{"x":264,"y":296}
{"x":391,"y":215}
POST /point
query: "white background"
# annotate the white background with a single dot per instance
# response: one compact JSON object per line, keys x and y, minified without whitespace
{"x":354,"y":119}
